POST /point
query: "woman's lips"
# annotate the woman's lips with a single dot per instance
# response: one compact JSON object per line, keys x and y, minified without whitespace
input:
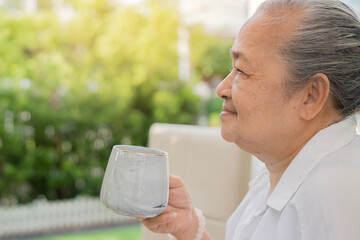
{"x":227,"y":112}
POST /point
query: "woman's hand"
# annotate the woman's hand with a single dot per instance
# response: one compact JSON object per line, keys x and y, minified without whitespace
{"x":179,"y":217}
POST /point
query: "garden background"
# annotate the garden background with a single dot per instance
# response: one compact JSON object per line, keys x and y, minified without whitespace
{"x":72,"y":88}
{"x":79,"y":76}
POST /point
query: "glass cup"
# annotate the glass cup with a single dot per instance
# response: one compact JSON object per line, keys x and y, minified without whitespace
{"x":136,"y":181}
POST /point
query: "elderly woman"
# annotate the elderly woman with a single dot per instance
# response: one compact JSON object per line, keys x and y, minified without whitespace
{"x":290,"y":100}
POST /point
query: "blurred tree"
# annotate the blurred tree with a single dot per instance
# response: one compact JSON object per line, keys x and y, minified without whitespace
{"x":71,"y":90}
{"x":211,"y":62}
{"x":210,"y":54}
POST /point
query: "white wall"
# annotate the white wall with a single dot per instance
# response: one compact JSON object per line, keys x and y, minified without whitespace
{"x":225,"y":16}
{"x":253,"y":4}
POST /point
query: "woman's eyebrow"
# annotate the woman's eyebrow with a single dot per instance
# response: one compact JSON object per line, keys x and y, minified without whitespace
{"x":237,"y":54}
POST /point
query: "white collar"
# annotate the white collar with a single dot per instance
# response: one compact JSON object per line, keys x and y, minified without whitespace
{"x":325,"y":141}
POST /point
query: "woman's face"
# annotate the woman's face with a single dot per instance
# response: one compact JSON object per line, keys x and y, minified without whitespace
{"x":257,"y":114}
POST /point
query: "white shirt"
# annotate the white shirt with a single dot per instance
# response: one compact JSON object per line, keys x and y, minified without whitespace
{"x":317,"y":197}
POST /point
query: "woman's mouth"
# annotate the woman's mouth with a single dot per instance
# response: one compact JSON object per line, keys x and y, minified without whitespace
{"x":227,"y":112}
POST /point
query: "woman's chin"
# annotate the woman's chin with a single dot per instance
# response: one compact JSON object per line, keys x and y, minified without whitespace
{"x":227,"y":134}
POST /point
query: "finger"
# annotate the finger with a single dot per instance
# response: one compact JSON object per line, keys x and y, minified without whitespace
{"x":167,"y":209}
{"x":175,"y":182}
{"x":178,"y":194}
{"x":153,"y":224}
{"x":165,"y":227}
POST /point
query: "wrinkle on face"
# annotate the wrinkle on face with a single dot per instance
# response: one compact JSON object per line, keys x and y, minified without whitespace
{"x":259,"y":99}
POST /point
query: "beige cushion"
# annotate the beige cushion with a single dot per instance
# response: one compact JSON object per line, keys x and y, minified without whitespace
{"x":216,"y":172}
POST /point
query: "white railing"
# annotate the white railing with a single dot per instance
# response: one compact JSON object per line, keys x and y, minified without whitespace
{"x":41,"y":216}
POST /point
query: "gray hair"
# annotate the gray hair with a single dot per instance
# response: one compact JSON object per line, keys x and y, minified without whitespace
{"x":327,"y":40}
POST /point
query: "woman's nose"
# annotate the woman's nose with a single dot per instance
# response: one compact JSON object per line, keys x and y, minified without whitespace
{"x":223,"y":90}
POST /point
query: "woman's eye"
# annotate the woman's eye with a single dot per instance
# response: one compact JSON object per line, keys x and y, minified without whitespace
{"x":238,"y":71}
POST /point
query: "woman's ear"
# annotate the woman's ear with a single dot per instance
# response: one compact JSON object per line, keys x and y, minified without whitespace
{"x":315,"y":95}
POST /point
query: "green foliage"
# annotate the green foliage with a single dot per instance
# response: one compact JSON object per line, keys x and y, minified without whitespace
{"x":71,"y":90}
{"x":211,"y":61}
{"x":210,"y":54}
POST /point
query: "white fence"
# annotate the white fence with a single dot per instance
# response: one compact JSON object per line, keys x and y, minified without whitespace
{"x":41,"y":216}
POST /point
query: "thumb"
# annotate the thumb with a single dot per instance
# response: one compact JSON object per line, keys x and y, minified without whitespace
{"x":175,"y":182}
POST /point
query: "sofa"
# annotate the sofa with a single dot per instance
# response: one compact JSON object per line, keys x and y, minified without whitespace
{"x":216,"y":172}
